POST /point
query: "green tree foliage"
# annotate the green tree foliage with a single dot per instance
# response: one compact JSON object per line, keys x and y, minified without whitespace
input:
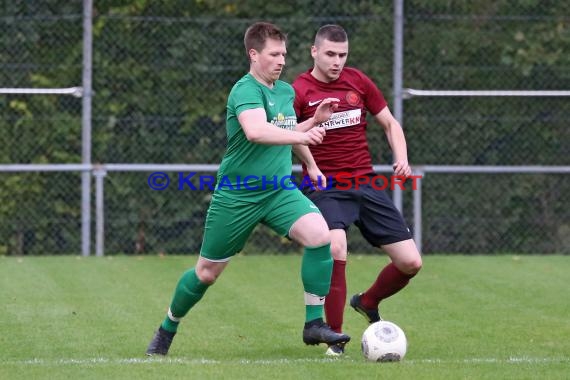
{"x":162,"y":72}
{"x":489,"y":45}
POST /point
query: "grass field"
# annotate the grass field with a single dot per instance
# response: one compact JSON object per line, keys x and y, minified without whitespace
{"x":466,"y":317}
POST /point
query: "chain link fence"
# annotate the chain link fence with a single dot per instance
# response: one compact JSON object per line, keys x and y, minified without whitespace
{"x":161,"y":75}
{"x":40,"y":47}
{"x":490,"y":46}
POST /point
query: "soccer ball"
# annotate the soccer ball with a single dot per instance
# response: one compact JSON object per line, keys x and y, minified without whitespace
{"x":384,"y":341}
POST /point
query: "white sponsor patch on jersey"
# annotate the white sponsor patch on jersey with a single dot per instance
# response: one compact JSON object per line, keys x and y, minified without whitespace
{"x":343,"y":119}
{"x":285,"y":122}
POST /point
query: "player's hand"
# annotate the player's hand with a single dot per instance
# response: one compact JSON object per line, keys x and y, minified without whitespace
{"x":325,"y":109}
{"x":317,"y":178}
{"x":314,"y":136}
{"x":402,"y":168}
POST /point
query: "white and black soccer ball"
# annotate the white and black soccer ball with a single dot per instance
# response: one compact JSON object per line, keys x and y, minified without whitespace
{"x":384,"y":341}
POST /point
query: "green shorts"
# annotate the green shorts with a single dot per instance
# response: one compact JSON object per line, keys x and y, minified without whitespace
{"x":231,"y":219}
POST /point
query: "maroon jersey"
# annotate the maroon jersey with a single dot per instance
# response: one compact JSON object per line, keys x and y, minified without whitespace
{"x":344,"y":148}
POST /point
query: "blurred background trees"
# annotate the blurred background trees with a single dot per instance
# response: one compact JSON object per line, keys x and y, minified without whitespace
{"x":161,"y":74}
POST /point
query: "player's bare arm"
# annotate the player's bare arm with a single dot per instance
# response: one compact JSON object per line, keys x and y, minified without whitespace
{"x":322,"y":113}
{"x":396,"y":139}
{"x":258,"y":130}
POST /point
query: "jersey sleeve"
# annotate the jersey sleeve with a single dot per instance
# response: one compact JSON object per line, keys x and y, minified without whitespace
{"x":298,"y":98}
{"x":246,"y":97}
{"x":374,"y":101}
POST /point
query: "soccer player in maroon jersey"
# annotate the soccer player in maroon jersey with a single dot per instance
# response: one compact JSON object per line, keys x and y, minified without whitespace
{"x":344,"y":153}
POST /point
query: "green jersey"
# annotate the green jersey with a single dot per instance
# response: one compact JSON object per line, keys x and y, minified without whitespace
{"x":252,"y":167}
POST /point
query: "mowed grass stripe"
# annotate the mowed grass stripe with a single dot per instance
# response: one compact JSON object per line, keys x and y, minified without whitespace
{"x":464,"y":316}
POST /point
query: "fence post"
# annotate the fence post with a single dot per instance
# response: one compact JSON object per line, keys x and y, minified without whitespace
{"x":418,"y":210}
{"x":99,"y":174}
{"x":398,"y":79}
{"x":86,"y":127}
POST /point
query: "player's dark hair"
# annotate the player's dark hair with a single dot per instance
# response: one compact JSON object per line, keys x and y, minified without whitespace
{"x":333,"y":33}
{"x":258,"y":33}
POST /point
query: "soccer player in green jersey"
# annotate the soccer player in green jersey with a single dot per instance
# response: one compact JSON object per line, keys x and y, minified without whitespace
{"x":254,"y":187}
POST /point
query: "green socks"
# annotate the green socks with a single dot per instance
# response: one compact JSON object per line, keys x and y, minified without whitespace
{"x":187,"y":293}
{"x":316,"y":270}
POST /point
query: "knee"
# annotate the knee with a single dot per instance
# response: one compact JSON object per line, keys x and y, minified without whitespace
{"x":206,"y":276}
{"x":319,"y":238}
{"x":412,"y":266}
{"x":338,"y":251}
